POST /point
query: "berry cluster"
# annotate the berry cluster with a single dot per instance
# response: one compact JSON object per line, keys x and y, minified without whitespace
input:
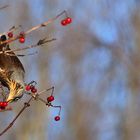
{"x":31,"y":88}
{"x":3,"y":104}
{"x":21,"y":36}
{"x":66,"y":21}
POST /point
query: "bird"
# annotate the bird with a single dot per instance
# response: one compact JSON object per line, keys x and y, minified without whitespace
{"x":12,"y":72}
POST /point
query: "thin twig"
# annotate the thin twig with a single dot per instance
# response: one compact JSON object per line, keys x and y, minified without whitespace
{"x":44,"y":24}
{"x":12,"y":29}
{"x":27,"y":104}
{"x":21,"y":55}
{"x":36,"y":97}
{"x":51,"y":88}
{"x":28,"y":47}
{"x":3,"y":7}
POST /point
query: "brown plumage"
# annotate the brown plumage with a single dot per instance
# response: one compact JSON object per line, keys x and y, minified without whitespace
{"x":11,"y":72}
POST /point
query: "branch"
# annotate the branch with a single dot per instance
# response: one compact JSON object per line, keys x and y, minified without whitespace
{"x":44,"y":24}
{"x":39,"y":43}
{"x":27,"y":104}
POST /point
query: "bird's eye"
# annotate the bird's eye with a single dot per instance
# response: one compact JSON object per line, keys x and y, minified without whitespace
{"x":3,"y":38}
{"x":16,"y":99}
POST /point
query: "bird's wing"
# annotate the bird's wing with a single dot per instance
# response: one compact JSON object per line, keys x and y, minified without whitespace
{"x":10,"y":64}
{"x":10,"y":60}
{"x":4,"y":77}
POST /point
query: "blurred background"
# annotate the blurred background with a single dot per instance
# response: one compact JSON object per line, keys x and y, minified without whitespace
{"x":94,"y":66}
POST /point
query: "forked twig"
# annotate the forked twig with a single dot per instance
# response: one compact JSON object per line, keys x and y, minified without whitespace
{"x":27,"y":104}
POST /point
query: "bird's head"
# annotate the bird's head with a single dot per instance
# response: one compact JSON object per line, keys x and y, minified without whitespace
{"x":16,"y":92}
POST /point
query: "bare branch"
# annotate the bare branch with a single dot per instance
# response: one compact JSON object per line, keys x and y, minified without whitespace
{"x":27,"y":104}
{"x":44,"y":24}
{"x":40,"y":43}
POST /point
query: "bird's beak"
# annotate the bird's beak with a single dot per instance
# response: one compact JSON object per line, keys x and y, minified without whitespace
{"x":9,"y":99}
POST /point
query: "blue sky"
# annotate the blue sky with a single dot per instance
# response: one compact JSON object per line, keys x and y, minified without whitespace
{"x":106,"y":29}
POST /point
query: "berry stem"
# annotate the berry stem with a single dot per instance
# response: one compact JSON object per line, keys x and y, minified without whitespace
{"x":44,"y":24}
{"x":57,"y":107}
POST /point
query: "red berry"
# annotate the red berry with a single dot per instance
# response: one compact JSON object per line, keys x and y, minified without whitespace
{"x":57,"y":118}
{"x":34,"y":90}
{"x":22,"y":34}
{"x":3,"y":104}
{"x":63,"y":22}
{"x":21,"y":39}
{"x":68,"y":20}
{"x":32,"y":87}
{"x":50,"y":98}
{"x":28,"y":87}
{"x":10,"y":34}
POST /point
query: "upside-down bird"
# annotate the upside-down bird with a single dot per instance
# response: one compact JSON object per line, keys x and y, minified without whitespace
{"x":11,"y":72}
